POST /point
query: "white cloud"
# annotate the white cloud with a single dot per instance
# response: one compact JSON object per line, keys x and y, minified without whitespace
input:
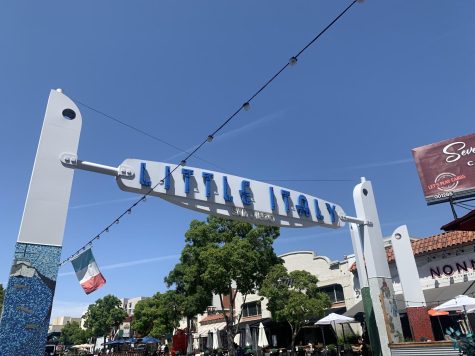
{"x":100,"y":203}
{"x":382,"y":164}
{"x":229,"y":134}
{"x":130,"y":263}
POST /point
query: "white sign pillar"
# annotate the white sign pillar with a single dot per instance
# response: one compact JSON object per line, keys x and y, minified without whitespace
{"x":409,"y":276}
{"x":379,"y":276}
{"x":31,"y":286}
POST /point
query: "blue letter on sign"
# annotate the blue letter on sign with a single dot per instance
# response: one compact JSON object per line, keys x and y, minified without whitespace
{"x":332,"y":210}
{"x":272,"y":198}
{"x":286,"y":198}
{"x":207,"y":177}
{"x":226,"y":194}
{"x":302,"y":206}
{"x":144,"y":177}
{"x":245,"y":195}
{"x":167,"y":177}
{"x":186,"y":176}
{"x":320,"y":217}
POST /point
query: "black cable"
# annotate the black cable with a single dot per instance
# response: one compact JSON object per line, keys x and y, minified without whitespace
{"x":153,"y":137}
{"x":210,"y":137}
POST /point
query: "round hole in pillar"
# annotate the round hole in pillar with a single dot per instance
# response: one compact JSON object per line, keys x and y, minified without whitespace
{"x":365,"y":191}
{"x":69,"y":114}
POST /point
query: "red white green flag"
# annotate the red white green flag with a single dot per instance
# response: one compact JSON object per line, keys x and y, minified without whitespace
{"x":88,"y":272}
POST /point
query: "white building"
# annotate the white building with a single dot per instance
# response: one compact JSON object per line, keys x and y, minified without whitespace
{"x":57,"y":324}
{"x":128,"y":304}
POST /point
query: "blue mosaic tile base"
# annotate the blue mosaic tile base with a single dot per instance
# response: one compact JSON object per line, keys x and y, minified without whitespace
{"x":28,"y":300}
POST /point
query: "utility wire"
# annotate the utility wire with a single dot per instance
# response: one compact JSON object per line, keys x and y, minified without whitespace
{"x":134,"y":128}
{"x":244,"y":106}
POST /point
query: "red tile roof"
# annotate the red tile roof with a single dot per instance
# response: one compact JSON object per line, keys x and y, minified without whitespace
{"x":433,"y":243}
{"x":437,"y":243}
{"x":213,"y":318}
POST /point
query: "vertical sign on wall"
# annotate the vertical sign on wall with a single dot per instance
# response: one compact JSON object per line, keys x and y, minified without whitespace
{"x":32,"y":281}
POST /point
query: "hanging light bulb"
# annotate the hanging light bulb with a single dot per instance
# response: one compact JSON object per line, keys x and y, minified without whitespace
{"x":182,"y":163}
{"x":129,"y":211}
{"x":210,"y":138}
{"x":162,"y":182}
{"x":117,"y":222}
{"x":293,"y":61}
{"x":107,"y":229}
{"x":246,"y":106}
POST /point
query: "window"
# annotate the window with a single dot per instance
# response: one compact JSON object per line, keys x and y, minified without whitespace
{"x":334,"y":292}
{"x":251,"y":309}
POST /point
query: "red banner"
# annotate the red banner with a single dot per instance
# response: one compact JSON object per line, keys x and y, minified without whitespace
{"x":447,"y":169}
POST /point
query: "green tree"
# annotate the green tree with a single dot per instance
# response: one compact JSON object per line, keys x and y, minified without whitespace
{"x":232,"y":257}
{"x":73,"y":334}
{"x":103,"y":315}
{"x":2,"y":294}
{"x":187,"y":278}
{"x":158,"y":315}
{"x":293,"y":297}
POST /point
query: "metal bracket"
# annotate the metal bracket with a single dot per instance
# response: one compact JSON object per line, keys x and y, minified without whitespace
{"x":70,"y":160}
{"x":353,"y":220}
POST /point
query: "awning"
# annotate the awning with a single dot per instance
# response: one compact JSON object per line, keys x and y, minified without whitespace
{"x":204,"y":330}
{"x":433,"y":297}
{"x":464,"y":223}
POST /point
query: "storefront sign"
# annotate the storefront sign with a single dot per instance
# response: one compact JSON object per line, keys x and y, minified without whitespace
{"x":451,"y":269}
{"x":447,"y":169}
{"x":230,"y":196}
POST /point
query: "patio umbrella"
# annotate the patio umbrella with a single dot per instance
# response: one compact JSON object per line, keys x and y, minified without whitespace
{"x":334,"y":319}
{"x":150,"y":340}
{"x":438,"y":313}
{"x":209,"y":341}
{"x":115,"y":342}
{"x":262,"y":339}
{"x":461,"y":303}
{"x":131,"y":340}
{"x":247,"y":336}
{"x":237,"y":339}
{"x":216,"y":340}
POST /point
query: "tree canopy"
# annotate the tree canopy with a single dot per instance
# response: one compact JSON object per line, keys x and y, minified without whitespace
{"x":158,"y":315}
{"x":228,"y":257}
{"x":293,"y":297}
{"x":73,"y":334}
{"x":103,"y":315}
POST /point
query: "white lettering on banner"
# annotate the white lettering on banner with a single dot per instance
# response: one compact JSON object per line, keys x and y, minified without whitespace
{"x":230,"y":196}
{"x":458,"y":146}
{"x":258,"y":215}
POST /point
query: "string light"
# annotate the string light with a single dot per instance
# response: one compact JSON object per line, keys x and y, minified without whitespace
{"x":246,"y":106}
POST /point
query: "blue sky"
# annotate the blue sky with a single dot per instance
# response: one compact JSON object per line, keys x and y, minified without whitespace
{"x":388,"y":77}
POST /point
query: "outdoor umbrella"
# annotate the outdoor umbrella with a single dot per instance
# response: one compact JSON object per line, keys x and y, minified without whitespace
{"x":334,"y":319}
{"x":438,"y":313}
{"x":248,"y":336}
{"x":237,"y":339}
{"x":150,"y":340}
{"x":216,"y":340}
{"x":209,"y":341}
{"x":262,"y":339}
{"x":131,"y":340}
{"x":460,"y":302}
{"x":115,"y":342}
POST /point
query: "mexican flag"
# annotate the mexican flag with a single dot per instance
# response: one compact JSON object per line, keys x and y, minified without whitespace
{"x":88,"y":272}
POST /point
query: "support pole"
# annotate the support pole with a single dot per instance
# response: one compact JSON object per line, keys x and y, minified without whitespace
{"x":416,"y":309}
{"x":379,"y":278}
{"x":32,"y":282}
{"x":356,"y":233}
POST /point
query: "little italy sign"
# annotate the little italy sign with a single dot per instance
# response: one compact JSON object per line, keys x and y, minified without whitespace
{"x":229,"y":196}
